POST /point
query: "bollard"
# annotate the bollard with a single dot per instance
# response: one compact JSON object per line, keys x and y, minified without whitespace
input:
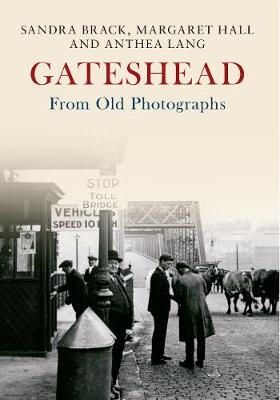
{"x":85,"y":360}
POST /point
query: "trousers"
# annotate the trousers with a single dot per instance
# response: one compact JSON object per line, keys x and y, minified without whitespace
{"x":190,"y":349}
{"x":120,"y":333}
{"x":159,"y":336}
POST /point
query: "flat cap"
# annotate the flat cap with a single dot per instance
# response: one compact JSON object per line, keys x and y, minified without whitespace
{"x":182,"y":264}
{"x":166,"y":257}
{"x":66,"y":263}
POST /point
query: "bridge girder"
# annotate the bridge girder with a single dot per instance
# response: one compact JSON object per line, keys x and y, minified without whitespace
{"x":175,"y":226}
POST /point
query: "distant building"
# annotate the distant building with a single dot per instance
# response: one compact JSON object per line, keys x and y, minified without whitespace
{"x":258,"y":247}
{"x":245,"y":260}
{"x":265,"y":243}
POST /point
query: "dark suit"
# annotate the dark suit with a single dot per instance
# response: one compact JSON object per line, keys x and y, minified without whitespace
{"x":159,"y":307}
{"x":77,"y":290}
{"x":89,"y":275}
{"x":120,"y":319}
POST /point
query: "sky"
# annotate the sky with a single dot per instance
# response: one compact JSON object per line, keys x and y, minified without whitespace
{"x":225,"y":159}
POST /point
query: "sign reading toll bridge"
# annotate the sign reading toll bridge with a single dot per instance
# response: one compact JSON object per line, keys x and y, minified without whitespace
{"x":102,"y":193}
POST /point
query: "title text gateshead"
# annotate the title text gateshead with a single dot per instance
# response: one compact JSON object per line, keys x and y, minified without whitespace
{"x":136,"y":73}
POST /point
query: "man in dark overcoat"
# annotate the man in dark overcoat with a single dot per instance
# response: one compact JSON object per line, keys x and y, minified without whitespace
{"x":89,"y":272}
{"x":120,"y":314}
{"x":195,"y":321}
{"x":75,"y":286}
{"x":159,"y":307}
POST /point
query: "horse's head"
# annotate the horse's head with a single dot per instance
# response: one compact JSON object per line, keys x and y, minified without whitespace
{"x":213,"y":272}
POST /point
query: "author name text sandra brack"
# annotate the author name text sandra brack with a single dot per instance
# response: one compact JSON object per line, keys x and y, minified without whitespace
{"x":136,"y":103}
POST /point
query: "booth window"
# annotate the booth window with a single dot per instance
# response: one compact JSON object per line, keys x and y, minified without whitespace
{"x":6,"y":256}
{"x":19,"y":251}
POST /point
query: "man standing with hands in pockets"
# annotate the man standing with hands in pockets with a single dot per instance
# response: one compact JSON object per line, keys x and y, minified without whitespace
{"x":159,"y":307}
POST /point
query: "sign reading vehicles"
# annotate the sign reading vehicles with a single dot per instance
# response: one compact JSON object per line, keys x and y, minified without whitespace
{"x":67,"y":217}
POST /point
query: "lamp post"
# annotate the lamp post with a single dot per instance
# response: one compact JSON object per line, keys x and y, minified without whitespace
{"x":237,"y":260}
{"x":77,"y":237}
{"x":110,"y":229}
{"x":99,"y":293}
{"x":212,"y":245}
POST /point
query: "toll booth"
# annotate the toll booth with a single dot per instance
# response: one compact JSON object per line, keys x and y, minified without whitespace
{"x":27,"y":268}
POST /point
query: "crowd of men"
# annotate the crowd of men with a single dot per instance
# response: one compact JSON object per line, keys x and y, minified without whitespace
{"x":188,"y":290}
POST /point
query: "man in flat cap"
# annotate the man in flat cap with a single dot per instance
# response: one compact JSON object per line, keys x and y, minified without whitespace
{"x":75,"y":286}
{"x":159,"y":307}
{"x":89,"y":272}
{"x":195,"y":321}
{"x":180,"y":268}
{"x":120,"y":314}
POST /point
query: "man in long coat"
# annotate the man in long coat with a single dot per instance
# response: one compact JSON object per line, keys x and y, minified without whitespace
{"x":159,"y":307}
{"x":75,"y":286}
{"x":195,"y":321}
{"x":120,"y":315}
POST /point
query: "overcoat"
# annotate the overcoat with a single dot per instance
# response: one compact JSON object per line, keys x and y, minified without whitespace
{"x":121,"y":309}
{"x":194,"y":317}
{"x":77,"y":290}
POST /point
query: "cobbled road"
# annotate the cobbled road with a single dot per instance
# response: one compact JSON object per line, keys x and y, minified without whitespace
{"x":241,"y":361}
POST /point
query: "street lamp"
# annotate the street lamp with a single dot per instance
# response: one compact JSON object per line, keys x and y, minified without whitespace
{"x":237,"y":258}
{"x":77,"y":237}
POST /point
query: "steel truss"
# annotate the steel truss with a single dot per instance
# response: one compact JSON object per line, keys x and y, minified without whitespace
{"x":174,"y":227}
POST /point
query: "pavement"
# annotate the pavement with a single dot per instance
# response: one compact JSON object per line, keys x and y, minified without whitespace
{"x":33,"y":378}
{"x":241,"y":359}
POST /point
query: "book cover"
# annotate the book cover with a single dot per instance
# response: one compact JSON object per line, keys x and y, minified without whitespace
{"x":151,"y":103}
